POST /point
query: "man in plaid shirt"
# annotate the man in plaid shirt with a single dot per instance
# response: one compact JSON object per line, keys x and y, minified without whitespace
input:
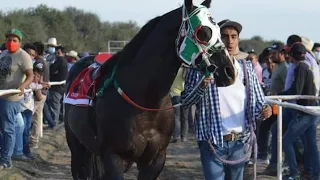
{"x":221,"y":115}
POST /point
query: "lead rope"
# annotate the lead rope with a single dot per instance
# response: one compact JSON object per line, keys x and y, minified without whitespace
{"x":252,"y":137}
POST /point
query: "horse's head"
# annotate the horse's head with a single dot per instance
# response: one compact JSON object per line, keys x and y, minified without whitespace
{"x":199,"y":44}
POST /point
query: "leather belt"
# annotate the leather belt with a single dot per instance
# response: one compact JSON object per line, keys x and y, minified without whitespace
{"x":232,"y":137}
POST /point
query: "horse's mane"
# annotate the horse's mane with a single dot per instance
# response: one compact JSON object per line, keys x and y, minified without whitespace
{"x":126,"y":55}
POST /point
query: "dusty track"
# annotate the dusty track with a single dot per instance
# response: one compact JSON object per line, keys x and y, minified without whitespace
{"x":53,"y":159}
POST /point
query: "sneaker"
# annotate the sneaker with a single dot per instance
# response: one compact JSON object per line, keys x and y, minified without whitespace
{"x":270,"y":171}
{"x":174,"y":140}
{"x":263,"y":161}
{"x":30,"y":156}
{"x":4,"y":166}
{"x":48,"y":128}
{"x":289,"y":177}
{"x":20,"y":158}
{"x":34,"y":146}
{"x":184,"y":139}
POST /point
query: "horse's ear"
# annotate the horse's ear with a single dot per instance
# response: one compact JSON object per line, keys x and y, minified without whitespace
{"x":206,"y":3}
{"x":189,"y":5}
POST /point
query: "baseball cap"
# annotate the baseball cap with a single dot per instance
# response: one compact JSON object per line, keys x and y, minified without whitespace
{"x":277,"y":46}
{"x":14,"y":32}
{"x":38,"y":66}
{"x":228,"y":23}
{"x":298,"y":49}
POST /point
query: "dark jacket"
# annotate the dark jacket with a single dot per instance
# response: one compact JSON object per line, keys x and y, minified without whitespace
{"x":58,"y":72}
{"x":303,"y":84}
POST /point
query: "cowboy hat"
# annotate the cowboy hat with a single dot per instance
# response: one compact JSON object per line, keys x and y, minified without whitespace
{"x":308,"y":43}
{"x":73,"y":54}
{"x":52,"y":42}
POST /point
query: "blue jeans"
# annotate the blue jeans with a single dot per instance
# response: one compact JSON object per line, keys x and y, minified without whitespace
{"x":215,"y":169}
{"x":8,"y":114}
{"x":61,"y":114}
{"x":47,"y":116}
{"x":27,"y":117}
{"x":53,"y":102}
{"x":304,"y":124}
{"x":18,"y":148}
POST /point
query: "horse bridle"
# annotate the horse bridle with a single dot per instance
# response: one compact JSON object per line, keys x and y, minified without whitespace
{"x":187,"y":31}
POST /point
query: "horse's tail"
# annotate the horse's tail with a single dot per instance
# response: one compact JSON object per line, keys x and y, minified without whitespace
{"x":96,"y":167}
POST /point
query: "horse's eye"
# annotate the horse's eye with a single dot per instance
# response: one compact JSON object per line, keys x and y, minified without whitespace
{"x":212,"y":20}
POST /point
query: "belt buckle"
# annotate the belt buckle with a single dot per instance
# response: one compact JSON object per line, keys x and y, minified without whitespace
{"x":233,"y":136}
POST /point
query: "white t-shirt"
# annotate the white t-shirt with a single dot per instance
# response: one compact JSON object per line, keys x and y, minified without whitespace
{"x":28,"y":100}
{"x":232,"y":101}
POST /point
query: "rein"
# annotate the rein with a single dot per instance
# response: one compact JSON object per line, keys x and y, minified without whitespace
{"x":112,"y":79}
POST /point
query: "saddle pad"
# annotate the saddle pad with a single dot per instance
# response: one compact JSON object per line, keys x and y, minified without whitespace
{"x":102,"y":58}
{"x":82,"y":89}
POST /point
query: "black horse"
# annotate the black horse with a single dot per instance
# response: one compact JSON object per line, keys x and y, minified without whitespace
{"x":107,"y":138}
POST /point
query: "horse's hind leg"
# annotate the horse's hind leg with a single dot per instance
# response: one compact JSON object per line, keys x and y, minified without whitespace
{"x":152,"y":171}
{"x":113,"y":166}
{"x":79,"y":156}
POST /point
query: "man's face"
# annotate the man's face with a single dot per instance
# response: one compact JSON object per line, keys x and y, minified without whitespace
{"x":317,"y":49}
{"x":276,"y":56}
{"x":13,"y":39}
{"x":71,"y":59}
{"x":270,"y":64}
{"x":253,"y":58}
{"x":59,"y":53}
{"x":32,"y":53}
{"x":37,"y":77}
{"x":230,"y":38}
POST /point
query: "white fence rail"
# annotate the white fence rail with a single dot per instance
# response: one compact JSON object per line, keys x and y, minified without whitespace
{"x":17,"y":91}
{"x":314,"y":110}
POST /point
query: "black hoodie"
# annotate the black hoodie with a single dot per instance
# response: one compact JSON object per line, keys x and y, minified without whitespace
{"x":58,"y":72}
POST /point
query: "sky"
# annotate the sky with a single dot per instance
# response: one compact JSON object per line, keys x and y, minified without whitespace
{"x":272,"y":19}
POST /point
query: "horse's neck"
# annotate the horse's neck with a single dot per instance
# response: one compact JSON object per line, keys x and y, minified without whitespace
{"x":147,"y":86}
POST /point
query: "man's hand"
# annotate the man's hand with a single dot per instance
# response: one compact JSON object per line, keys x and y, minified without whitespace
{"x":266,"y":111}
{"x":21,"y":88}
{"x":45,"y":85}
{"x":205,"y":82}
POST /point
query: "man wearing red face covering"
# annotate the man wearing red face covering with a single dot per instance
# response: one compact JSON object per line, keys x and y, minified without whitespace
{"x":15,"y":73}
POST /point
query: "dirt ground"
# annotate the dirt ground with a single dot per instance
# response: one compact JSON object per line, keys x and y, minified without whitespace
{"x":53,"y":162}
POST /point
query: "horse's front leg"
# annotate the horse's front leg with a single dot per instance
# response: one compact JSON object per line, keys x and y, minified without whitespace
{"x":113,"y":165}
{"x":152,"y":171}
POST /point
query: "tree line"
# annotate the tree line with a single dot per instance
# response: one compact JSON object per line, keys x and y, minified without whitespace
{"x":80,"y":30}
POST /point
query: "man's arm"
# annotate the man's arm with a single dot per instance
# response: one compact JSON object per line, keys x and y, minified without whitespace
{"x":27,"y":67}
{"x":258,"y":93}
{"x":29,"y":79}
{"x":191,"y":80}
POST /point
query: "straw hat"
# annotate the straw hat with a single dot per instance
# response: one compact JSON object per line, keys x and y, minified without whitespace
{"x":73,"y":54}
{"x":52,"y":42}
{"x":308,"y":43}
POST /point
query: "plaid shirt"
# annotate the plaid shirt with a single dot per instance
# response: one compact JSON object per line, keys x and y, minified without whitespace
{"x":208,"y":122}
